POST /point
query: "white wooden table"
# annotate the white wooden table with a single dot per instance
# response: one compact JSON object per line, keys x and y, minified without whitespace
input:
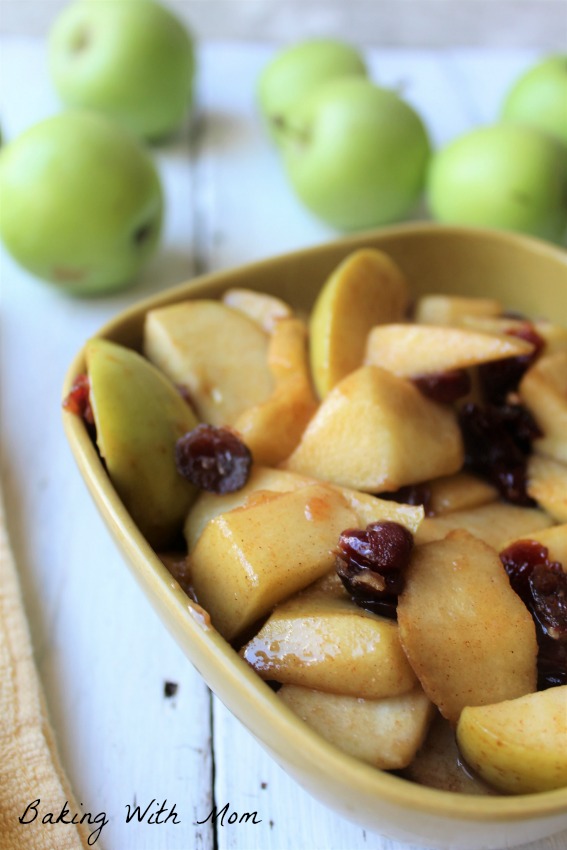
{"x":103,"y":656}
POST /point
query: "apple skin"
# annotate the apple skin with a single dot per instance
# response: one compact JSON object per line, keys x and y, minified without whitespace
{"x":539,"y":97}
{"x":82,"y":203}
{"x":133,"y":61}
{"x":356,"y":154}
{"x":506,"y":176}
{"x":297,"y":70}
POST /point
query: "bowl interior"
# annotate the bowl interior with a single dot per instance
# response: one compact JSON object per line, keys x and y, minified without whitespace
{"x":526,"y":275}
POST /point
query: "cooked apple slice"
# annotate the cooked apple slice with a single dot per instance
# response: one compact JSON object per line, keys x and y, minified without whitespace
{"x":209,"y":505}
{"x":450,"y":309}
{"x":494,"y":523}
{"x":554,"y":336}
{"x":366,"y":289}
{"x":219,"y":355}
{"x":386,"y":733}
{"x":272,"y":429}
{"x":519,"y":746}
{"x":468,"y":636}
{"x":251,"y":558}
{"x":265,"y":310}
{"x":326,"y":642}
{"x":372,"y":509}
{"x":139,"y":416}
{"x":554,"y":539}
{"x":547,"y":484}
{"x":458,"y":492}
{"x":543,"y":390}
{"x":376,"y":432}
{"x":413,"y":350}
{"x":438,"y":763}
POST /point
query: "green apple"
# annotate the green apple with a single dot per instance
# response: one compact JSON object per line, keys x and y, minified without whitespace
{"x":132,"y":60}
{"x":297,"y":70}
{"x":82,"y":202}
{"x":539,"y":97}
{"x":507,"y":176}
{"x":356,"y":154}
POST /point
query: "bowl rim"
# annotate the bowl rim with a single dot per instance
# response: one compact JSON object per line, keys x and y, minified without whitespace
{"x":309,"y":748}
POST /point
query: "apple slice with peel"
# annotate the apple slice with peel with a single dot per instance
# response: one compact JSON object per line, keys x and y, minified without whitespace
{"x":547,"y":484}
{"x":543,"y":390}
{"x":468,"y":636}
{"x":412,"y":350}
{"x":366,"y":289}
{"x":273,"y":428}
{"x":450,"y":309}
{"x":376,"y":432}
{"x":251,"y":558}
{"x":219,"y":355}
{"x":385,"y":733}
{"x":266,"y":310}
{"x":139,"y":416}
{"x":324,"y":641}
{"x":494,"y":523}
{"x":518,"y":745}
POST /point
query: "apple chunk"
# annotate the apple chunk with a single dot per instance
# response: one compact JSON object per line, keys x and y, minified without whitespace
{"x":366,"y":289}
{"x":547,"y":484}
{"x":265,"y":310}
{"x":273,"y":428}
{"x":450,"y":309}
{"x":519,"y":746}
{"x":385,"y":733}
{"x":468,"y":636}
{"x":413,"y":350}
{"x":376,"y":432}
{"x":218,"y":354}
{"x":494,"y":523}
{"x":209,"y":505}
{"x":251,"y":558}
{"x":458,"y":492}
{"x":543,"y":390}
{"x":325,"y":641}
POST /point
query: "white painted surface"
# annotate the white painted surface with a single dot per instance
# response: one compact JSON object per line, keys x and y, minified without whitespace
{"x":102,"y":654}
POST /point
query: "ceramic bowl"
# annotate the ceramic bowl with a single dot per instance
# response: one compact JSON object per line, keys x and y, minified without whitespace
{"x":526,"y":275}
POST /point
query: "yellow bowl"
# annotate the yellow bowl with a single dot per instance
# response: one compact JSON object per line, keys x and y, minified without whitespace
{"x":526,"y":275}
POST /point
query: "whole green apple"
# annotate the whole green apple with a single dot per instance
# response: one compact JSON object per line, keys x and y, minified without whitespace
{"x":356,"y":154}
{"x":507,"y":176}
{"x":82,"y":202}
{"x":297,"y":70}
{"x":132,"y":60}
{"x":539,"y":97}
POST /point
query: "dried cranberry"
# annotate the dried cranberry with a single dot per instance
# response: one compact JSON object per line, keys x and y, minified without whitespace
{"x":412,"y":494}
{"x":542,"y":585}
{"x":500,"y":377}
{"x":551,"y":662}
{"x":370,"y":564}
{"x":548,"y":584}
{"x":214,"y":459}
{"x":444,"y":387}
{"x":78,"y":401}
{"x":492,"y":452}
{"x":519,"y":423}
{"x":519,"y":560}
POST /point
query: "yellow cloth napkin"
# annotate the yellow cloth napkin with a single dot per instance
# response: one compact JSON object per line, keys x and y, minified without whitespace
{"x":30,"y":768}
